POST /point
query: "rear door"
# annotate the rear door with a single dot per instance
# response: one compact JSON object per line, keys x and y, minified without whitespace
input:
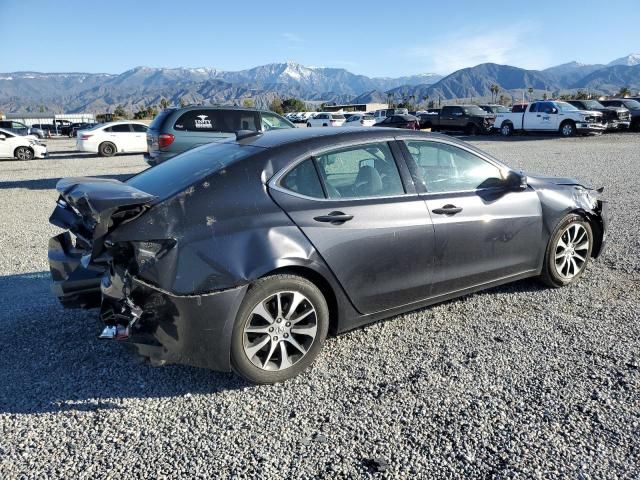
{"x":369,"y":226}
{"x":122,"y":136}
{"x":483,"y":231}
{"x":6,"y":144}
{"x":139,"y":137}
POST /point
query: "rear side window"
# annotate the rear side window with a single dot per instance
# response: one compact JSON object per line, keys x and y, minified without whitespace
{"x":160,"y":118}
{"x":225,"y":121}
{"x":119,"y":128}
{"x":274,"y":122}
{"x":337,"y":117}
{"x":304,"y":180}
{"x":138,"y":128}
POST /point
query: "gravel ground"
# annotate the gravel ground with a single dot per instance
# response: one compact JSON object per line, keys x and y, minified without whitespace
{"x":519,"y":381}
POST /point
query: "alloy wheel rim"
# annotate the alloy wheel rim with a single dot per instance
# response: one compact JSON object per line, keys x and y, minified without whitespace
{"x":567,"y":129}
{"x":23,"y":154}
{"x":280,"y":331}
{"x":505,"y":130}
{"x":571,"y":251}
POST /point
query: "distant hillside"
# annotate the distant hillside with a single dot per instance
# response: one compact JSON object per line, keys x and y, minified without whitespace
{"x":570,"y":73}
{"x":612,"y":78}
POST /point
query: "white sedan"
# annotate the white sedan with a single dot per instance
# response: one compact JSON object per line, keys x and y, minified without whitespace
{"x":360,"y":120}
{"x":107,"y":139}
{"x":326,"y":119}
{"x":20,"y":147}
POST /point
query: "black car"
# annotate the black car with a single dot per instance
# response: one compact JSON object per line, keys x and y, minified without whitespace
{"x":176,"y":130}
{"x":243,"y":255}
{"x":632,"y":105}
{"x":470,"y":119}
{"x":400,"y":121}
{"x":617,"y":118}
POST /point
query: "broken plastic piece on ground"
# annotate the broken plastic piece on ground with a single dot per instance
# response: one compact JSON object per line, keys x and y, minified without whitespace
{"x":122,"y":332}
{"x":109,"y":332}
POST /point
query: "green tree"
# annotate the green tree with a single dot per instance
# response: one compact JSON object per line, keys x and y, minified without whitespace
{"x":293,"y":105}
{"x":164,"y":103}
{"x":530,"y":90}
{"x":119,"y":111}
{"x":183,"y":102}
{"x":495,"y":90}
{"x":248,"y":103}
{"x":624,"y":92}
{"x":390,"y":99}
{"x":276,"y":106}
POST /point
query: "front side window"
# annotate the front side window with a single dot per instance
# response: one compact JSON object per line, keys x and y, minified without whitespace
{"x":274,"y":122}
{"x":361,"y":171}
{"x":444,"y":168}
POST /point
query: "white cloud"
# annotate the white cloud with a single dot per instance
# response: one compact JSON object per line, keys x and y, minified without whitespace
{"x":503,"y":46}
{"x":292,"y":37}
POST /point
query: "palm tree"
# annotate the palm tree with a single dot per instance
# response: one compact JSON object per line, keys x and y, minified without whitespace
{"x":495,"y":89}
{"x":530,"y":90}
{"x":390,"y":99}
{"x":624,"y":92}
{"x":425,"y":99}
{"x":164,"y":103}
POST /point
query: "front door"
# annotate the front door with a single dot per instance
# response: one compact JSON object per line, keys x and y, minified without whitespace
{"x":6,"y":145}
{"x":374,"y":235}
{"x":484,"y":231}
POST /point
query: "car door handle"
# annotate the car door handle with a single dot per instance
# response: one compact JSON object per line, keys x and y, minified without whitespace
{"x":447,"y":210}
{"x":335,"y":218}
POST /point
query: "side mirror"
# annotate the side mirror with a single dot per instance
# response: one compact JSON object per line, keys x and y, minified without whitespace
{"x":516,"y":181}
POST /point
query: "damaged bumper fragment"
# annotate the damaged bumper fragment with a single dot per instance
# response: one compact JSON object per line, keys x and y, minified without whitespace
{"x":167,"y":328}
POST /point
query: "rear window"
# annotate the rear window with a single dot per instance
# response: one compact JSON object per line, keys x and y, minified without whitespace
{"x":337,"y":117}
{"x":159,"y":120}
{"x":226,"y":121}
{"x":368,"y":117}
{"x":178,"y":173}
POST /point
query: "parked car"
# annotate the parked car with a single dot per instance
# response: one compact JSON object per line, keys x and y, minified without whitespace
{"x":470,"y":119}
{"x":18,"y":128}
{"x":424,"y":119}
{"x":616,"y":117}
{"x":383,"y":113}
{"x":492,"y":108}
{"x":107,"y":139}
{"x":20,"y":147}
{"x":176,"y":130}
{"x":359,"y":120}
{"x":73,"y":131}
{"x":304,"y":116}
{"x":63,"y":126}
{"x":400,"y":121}
{"x":632,"y":105}
{"x":550,"y":116}
{"x":244,"y":255}
{"x":326,"y":119}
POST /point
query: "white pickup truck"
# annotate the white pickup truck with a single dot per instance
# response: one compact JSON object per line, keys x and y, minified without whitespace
{"x":548,"y":116}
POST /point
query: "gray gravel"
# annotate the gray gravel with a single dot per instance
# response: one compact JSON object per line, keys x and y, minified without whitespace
{"x":519,"y":381}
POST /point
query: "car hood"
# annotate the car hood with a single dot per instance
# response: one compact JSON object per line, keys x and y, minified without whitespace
{"x":546,"y":181}
{"x":590,"y":112}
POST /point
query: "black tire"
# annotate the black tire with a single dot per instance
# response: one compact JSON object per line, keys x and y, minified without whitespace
{"x":635,"y":126}
{"x":260,"y":292}
{"x":567,"y":128}
{"x":325,"y":125}
{"x":506,"y":129}
{"x":23,"y":153}
{"x":550,"y":276}
{"x":473,"y":130}
{"x":107,"y":149}
{"x":308,"y":125}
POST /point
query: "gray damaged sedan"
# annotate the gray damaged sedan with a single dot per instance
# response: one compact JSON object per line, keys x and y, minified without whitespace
{"x":244,"y":255}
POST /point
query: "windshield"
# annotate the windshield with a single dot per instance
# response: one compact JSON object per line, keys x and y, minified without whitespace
{"x":176,"y":174}
{"x":632,"y":104}
{"x":566,"y":107}
{"x":592,"y":104}
{"x":474,"y":110}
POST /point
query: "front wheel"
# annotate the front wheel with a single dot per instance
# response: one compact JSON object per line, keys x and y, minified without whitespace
{"x":23,"y":153}
{"x":308,"y":125}
{"x":279,"y":330}
{"x":568,"y":252}
{"x":506,"y":130}
{"x":568,"y":129}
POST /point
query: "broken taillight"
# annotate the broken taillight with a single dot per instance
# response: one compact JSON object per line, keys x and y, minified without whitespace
{"x":165,"y":139}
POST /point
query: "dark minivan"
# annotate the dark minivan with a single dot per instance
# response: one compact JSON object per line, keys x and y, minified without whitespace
{"x":176,"y":130}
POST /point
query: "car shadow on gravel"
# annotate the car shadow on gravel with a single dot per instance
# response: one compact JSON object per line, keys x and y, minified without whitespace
{"x":50,"y":183}
{"x":53,"y":362}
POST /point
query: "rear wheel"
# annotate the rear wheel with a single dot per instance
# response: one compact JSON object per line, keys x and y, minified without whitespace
{"x":23,"y":153}
{"x":568,"y":129}
{"x":280,"y":329}
{"x":107,"y":149}
{"x":568,"y":252}
{"x":308,"y":124}
{"x":473,"y":130}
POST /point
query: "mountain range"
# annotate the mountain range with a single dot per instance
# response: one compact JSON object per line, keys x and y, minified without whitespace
{"x":144,"y":86}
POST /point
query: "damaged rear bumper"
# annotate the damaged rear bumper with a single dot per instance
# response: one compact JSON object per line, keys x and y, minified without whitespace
{"x":167,"y":328}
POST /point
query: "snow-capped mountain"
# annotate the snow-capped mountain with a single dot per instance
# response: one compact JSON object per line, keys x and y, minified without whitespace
{"x":629,"y":60}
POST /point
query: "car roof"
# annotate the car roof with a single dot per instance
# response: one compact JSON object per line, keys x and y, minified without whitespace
{"x":219,"y":107}
{"x":120,"y":122}
{"x":291,"y":136}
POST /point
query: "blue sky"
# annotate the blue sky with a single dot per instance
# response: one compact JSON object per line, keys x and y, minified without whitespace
{"x":375,"y":38}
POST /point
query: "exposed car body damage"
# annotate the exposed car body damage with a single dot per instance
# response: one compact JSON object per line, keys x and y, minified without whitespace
{"x":173,"y":262}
